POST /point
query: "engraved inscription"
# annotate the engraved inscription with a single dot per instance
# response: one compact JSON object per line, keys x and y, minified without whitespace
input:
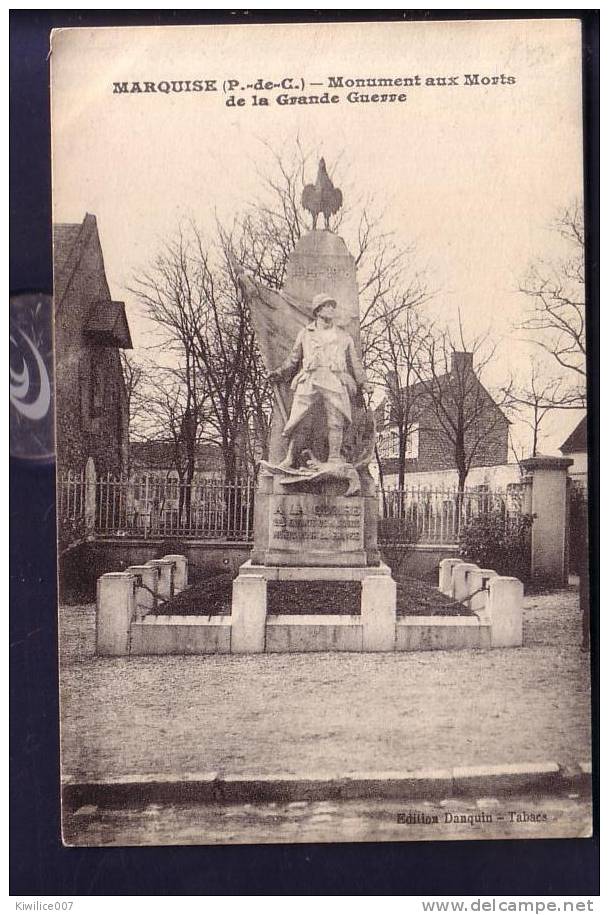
{"x":328,"y":271}
{"x":310,"y":523}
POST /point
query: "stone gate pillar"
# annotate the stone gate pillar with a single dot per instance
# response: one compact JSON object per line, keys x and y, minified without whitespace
{"x":549,"y":507}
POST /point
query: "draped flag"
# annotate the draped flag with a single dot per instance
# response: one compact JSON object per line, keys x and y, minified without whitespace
{"x":277,"y":318}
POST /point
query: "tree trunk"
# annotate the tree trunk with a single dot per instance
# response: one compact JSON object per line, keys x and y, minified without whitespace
{"x":381,"y":480}
{"x":401,"y":462}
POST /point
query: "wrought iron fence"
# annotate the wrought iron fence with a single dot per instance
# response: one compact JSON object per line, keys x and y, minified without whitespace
{"x":417,"y":514}
{"x":71,"y":497}
{"x":156,"y":506}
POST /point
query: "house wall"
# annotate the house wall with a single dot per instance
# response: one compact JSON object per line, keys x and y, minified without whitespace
{"x":579,"y":468}
{"x":91,"y":403}
{"x":497,"y":476}
{"x":436,"y":451}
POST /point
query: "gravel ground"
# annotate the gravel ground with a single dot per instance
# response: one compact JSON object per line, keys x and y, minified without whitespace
{"x":327,"y":713}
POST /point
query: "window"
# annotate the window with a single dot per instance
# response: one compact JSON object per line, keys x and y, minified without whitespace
{"x":173,"y":487}
{"x":389,"y":443}
{"x":412,"y":442}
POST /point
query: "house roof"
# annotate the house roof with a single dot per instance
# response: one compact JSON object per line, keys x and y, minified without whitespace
{"x":160,"y":455}
{"x":577,"y":442}
{"x":69,"y":240}
{"x":107,"y":320}
{"x":65,"y":237}
{"x":108,"y":324}
{"x":420,"y":390}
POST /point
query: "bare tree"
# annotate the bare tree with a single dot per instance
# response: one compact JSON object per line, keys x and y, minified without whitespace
{"x":274,"y":220}
{"x":393,"y":362}
{"x":536,"y":397}
{"x":133,"y":377}
{"x":556,"y":318}
{"x":191,"y":292}
{"x":459,"y":411}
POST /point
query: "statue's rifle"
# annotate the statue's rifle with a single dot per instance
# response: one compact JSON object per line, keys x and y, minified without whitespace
{"x":280,"y":403}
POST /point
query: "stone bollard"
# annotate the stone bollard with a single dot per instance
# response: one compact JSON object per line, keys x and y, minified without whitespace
{"x":461,"y":584}
{"x":445,"y":577}
{"x":248,"y":615}
{"x":487,"y":574}
{"x":378,"y":613}
{"x":477,"y":602}
{"x":115,"y":611}
{"x":146,"y":588}
{"x":180,"y":572}
{"x":505,"y":611}
{"x":478,"y":579}
{"x":165,"y":567}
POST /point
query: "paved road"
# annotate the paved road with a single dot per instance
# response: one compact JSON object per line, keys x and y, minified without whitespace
{"x":340,"y":821}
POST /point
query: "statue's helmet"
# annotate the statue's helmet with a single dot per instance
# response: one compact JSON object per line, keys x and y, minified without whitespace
{"x":322,"y":299}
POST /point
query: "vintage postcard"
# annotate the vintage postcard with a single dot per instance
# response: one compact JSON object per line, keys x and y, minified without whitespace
{"x":320,"y":350}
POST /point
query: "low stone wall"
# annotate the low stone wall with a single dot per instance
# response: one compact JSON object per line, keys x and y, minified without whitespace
{"x":496,"y":600}
{"x":79,"y":573}
{"x":421,"y":560}
{"x":81,"y":568}
{"x":128,"y":622}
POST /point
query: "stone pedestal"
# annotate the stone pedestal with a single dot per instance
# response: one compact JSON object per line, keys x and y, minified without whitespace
{"x":505,"y":611}
{"x":445,"y":578}
{"x":478,"y":581}
{"x":115,"y":612}
{"x":146,"y":588}
{"x":461,"y":585}
{"x":316,"y":527}
{"x":248,"y":614}
{"x":378,"y":613}
{"x":165,"y":568}
{"x":180,"y":571}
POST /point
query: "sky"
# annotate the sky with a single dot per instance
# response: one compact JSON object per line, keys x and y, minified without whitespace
{"x":473,"y":175}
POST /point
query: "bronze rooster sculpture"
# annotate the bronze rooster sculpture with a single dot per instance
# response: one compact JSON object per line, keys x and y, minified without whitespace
{"x":322,"y":197}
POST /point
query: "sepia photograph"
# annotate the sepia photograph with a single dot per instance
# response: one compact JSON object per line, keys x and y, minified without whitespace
{"x":321,"y":434}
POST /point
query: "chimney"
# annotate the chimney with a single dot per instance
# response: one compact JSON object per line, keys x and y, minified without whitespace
{"x":392,"y":381}
{"x":461,"y":363}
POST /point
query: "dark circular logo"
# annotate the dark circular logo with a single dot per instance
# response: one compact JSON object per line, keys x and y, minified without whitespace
{"x":32,"y":434}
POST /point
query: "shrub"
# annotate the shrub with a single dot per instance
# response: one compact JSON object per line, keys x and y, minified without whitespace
{"x":396,"y":537}
{"x":495,"y":542}
{"x":578,"y":528}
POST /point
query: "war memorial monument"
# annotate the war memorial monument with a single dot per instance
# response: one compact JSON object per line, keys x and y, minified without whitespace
{"x":315,"y":549}
{"x":316,"y":504}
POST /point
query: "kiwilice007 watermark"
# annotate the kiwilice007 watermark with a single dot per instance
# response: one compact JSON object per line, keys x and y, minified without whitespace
{"x":37,"y":905}
{"x":422,"y":818}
